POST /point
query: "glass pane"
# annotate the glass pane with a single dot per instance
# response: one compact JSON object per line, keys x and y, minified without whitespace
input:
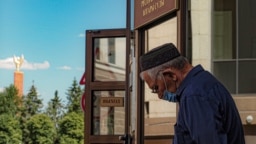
{"x":246,"y":29}
{"x":247,"y":77}
{"x":224,"y":35}
{"x":109,"y":59}
{"x":226,"y":73}
{"x":108,"y":113}
{"x":159,"y":114}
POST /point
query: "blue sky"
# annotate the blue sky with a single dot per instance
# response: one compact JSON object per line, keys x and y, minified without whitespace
{"x":51,"y":36}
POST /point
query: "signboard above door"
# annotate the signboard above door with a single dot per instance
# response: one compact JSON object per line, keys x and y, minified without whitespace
{"x":146,"y":11}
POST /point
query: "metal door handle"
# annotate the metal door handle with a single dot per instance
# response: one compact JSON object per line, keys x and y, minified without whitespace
{"x":126,"y":138}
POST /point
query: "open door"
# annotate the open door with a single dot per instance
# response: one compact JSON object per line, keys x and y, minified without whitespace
{"x":107,"y":97}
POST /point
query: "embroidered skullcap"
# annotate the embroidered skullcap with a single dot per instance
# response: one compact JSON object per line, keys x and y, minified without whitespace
{"x":158,"y":56}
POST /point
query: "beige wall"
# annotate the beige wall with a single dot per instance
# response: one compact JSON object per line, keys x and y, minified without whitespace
{"x":201,"y":11}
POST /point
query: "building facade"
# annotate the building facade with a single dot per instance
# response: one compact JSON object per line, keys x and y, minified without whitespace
{"x":218,"y":34}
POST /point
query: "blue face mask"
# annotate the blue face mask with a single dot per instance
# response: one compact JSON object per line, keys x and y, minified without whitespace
{"x":169,"y":96}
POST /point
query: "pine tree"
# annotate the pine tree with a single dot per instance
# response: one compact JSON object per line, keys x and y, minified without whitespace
{"x":31,"y":105}
{"x":32,"y":102}
{"x":55,"y":110}
{"x":74,"y":95}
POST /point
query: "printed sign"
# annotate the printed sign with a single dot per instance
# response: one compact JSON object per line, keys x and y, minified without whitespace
{"x":111,"y":101}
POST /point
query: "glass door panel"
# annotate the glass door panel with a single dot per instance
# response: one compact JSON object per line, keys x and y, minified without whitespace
{"x":106,"y":97}
{"x":110,"y":59}
{"x":160,"y":115}
{"x":108,"y":113}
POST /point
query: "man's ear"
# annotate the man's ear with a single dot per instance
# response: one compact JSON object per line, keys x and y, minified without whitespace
{"x":174,"y":77}
{"x":168,"y":72}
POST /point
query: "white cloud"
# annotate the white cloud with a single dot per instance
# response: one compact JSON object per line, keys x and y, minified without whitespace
{"x":81,"y":35}
{"x":35,"y":66}
{"x":80,"y":69}
{"x":65,"y":68}
{"x":9,"y":64}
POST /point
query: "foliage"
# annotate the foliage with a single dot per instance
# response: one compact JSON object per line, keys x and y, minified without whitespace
{"x":31,"y":106}
{"x":74,"y":95}
{"x":67,"y":140}
{"x":71,"y":128}
{"x":10,"y":131}
{"x":41,"y":129}
{"x":55,"y":108}
{"x":9,"y":101}
{"x":22,"y":120}
{"x":55,"y":111}
{"x":31,"y":102}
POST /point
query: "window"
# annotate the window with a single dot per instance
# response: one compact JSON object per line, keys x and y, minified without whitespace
{"x":234,"y":45}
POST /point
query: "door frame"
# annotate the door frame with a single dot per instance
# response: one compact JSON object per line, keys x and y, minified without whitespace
{"x":182,"y":44}
{"x":111,"y":85}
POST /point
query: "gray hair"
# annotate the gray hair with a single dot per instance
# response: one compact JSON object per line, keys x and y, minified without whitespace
{"x":177,"y":63}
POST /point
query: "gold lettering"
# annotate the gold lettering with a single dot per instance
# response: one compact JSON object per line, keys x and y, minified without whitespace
{"x":152,"y":7}
{"x":145,"y":2}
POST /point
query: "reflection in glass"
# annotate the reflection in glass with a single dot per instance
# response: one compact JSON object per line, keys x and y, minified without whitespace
{"x":224,"y":35}
{"x":246,"y":29}
{"x":247,"y":77}
{"x":159,"y":114}
{"x":109,"y":59}
{"x":226,"y":73}
{"x":234,"y":45}
{"x":107,"y":120}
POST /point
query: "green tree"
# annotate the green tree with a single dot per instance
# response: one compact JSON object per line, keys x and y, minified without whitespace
{"x":74,"y":95}
{"x":41,"y":129}
{"x":31,"y":105}
{"x":71,"y":129}
{"x":10,"y":131}
{"x":9,"y":101}
{"x":55,"y":110}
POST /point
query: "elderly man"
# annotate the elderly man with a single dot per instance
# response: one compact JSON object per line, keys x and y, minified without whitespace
{"x":207,"y":113}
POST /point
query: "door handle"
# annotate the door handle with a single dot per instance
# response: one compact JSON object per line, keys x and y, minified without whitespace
{"x":126,"y":138}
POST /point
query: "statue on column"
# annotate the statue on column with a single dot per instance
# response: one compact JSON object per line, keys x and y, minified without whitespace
{"x":18,"y":61}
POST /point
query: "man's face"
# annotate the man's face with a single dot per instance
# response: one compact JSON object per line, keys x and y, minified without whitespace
{"x":160,"y":84}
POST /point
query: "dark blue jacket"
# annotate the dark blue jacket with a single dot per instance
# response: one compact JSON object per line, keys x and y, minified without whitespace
{"x":207,"y":112}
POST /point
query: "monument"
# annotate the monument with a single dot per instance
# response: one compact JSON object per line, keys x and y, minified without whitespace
{"x":18,"y":75}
